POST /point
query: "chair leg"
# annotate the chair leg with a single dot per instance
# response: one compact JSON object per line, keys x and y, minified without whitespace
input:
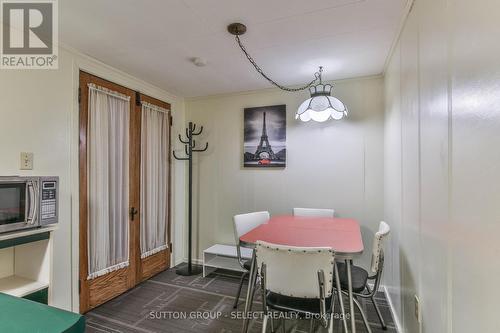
{"x":334,"y":296}
{"x":264,"y":324}
{"x":239,"y":290}
{"x":365,"y":320}
{"x":379,"y":314}
{"x":330,"y":326}
{"x":253,"y":297}
{"x":272,"y":323}
{"x":283,"y":328}
{"x":311,"y":325}
{"x":331,"y":321}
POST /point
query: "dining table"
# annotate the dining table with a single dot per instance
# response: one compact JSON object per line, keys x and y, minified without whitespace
{"x":343,"y":235}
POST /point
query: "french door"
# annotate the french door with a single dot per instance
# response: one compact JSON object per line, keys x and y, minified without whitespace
{"x":155,"y":189}
{"x":122,"y":165}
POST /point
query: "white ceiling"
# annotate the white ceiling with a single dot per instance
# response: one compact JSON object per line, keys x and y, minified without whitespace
{"x":155,"y":39}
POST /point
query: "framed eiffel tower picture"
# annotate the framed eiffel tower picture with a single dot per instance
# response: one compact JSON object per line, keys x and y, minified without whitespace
{"x":265,"y":137}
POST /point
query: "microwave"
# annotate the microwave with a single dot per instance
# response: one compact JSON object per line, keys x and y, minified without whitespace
{"x":28,"y":202}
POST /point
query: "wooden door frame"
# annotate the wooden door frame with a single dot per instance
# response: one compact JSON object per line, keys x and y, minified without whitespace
{"x":160,"y":261}
{"x":138,"y":270}
{"x":91,"y":292}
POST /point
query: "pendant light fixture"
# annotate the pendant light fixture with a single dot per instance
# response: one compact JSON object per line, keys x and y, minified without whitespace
{"x":320,"y":107}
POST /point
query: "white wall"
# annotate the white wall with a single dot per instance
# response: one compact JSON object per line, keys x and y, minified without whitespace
{"x":441,"y":166}
{"x":331,"y":164}
{"x":39,"y":114}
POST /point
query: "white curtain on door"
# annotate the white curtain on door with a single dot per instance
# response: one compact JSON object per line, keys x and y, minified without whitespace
{"x":108,"y":180}
{"x":155,"y":142}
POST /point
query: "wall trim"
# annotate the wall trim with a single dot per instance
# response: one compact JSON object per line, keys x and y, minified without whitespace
{"x":125,"y":78}
{"x":185,"y":260}
{"x":406,"y":12}
{"x":397,"y":320}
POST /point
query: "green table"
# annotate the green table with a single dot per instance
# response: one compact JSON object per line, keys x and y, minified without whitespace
{"x":18,"y":315}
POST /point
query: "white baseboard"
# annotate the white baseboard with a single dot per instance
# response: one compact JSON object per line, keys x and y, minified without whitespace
{"x":397,"y":321}
{"x":194,"y":261}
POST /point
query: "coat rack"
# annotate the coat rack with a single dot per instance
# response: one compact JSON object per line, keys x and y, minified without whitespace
{"x":189,"y":149}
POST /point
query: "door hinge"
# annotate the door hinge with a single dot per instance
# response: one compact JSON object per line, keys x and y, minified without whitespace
{"x":79,"y":95}
{"x":79,"y":286}
{"x":171,"y":120}
{"x":170,"y":246}
{"x":137,"y":98}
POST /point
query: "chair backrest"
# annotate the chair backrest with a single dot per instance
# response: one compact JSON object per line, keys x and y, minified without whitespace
{"x":313,"y":212}
{"x":378,"y":245}
{"x":293,"y":271}
{"x":243,"y":223}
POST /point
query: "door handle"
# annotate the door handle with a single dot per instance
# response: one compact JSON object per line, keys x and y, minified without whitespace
{"x":133,"y":213}
{"x":33,"y":202}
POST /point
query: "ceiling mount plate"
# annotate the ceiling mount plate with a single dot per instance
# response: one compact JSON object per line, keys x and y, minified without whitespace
{"x":237,"y":29}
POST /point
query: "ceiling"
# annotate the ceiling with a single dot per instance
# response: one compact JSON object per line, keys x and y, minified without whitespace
{"x":155,"y":40}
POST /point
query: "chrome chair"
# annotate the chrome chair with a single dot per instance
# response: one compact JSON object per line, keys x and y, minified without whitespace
{"x":313,"y":212}
{"x":243,"y":223}
{"x":297,"y":280}
{"x":360,"y":276}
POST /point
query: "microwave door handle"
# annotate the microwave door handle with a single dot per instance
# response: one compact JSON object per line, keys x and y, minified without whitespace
{"x":27,"y":208}
{"x":37,"y":201}
{"x":33,"y":202}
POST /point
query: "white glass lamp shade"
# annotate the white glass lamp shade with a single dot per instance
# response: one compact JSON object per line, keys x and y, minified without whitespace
{"x":321,"y":106}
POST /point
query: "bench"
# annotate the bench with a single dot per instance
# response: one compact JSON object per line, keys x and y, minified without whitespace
{"x":223,"y":257}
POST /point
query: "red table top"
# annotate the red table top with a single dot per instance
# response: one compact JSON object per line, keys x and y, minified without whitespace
{"x":342,"y":235}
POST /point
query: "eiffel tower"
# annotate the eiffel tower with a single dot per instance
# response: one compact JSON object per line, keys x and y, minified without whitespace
{"x":264,"y":146}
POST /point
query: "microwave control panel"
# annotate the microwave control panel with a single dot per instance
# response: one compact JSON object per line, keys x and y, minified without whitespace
{"x":48,"y":202}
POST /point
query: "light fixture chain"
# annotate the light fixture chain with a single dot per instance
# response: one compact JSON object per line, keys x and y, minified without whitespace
{"x":317,"y":75}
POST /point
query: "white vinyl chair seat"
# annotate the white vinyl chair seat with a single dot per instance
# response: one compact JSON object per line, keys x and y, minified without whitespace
{"x":378,"y":244}
{"x":293,"y":271}
{"x":313,"y":212}
{"x":243,"y":223}
{"x":360,"y":276}
{"x":297,"y":280}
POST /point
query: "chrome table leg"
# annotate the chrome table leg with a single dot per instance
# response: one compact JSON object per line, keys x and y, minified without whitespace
{"x":264,"y":324}
{"x":341,"y":301}
{"x":249,"y":299}
{"x":349,"y":286}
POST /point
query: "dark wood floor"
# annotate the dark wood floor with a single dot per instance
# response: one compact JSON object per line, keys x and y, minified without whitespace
{"x":158,"y":305}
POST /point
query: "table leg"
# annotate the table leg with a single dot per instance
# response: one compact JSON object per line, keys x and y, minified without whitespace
{"x":341,"y":300}
{"x":349,"y":285}
{"x":249,"y":299}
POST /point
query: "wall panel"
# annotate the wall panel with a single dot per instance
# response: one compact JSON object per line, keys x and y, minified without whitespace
{"x":334,"y":164}
{"x":475,"y":196}
{"x":449,"y":166}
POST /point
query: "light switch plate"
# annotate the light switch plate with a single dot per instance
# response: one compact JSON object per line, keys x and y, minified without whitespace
{"x":26,"y":161}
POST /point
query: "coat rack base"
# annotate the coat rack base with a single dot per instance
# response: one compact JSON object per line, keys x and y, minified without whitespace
{"x":184,"y":270}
